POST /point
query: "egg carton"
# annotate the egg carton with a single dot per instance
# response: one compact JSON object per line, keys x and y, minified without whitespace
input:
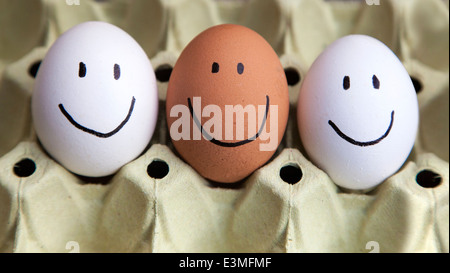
{"x":158,"y":203}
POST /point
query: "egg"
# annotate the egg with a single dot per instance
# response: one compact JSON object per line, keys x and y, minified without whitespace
{"x":357,"y":112}
{"x":227,"y":103}
{"x":95,"y":102}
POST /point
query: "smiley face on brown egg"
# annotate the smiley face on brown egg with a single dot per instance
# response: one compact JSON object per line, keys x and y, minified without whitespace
{"x":227,"y":103}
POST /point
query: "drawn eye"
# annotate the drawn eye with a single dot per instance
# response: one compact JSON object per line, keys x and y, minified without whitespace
{"x":240,"y":68}
{"x":215,"y":67}
{"x":375,"y":82}
{"x":116,"y":71}
{"x":82,"y":70}
{"x":346,"y":82}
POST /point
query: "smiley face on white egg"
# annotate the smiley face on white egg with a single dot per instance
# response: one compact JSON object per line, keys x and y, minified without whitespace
{"x":94,"y":102}
{"x":358,"y":112}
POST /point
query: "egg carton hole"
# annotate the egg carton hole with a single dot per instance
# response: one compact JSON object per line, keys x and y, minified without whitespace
{"x":292,"y":76}
{"x":34,"y":68}
{"x":291,"y":173}
{"x":24,"y":168}
{"x":428,"y":179}
{"x":158,"y":169}
{"x":417,"y":84}
{"x":163,"y":72}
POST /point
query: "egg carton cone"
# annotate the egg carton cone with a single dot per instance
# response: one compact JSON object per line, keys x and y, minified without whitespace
{"x":158,"y":203}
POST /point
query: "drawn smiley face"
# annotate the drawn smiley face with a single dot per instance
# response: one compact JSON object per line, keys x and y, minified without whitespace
{"x":94,"y":103}
{"x":229,"y":144}
{"x":223,"y":69}
{"x":357,"y":112}
{"x":82,"y":74}
{"x":346,"y":86}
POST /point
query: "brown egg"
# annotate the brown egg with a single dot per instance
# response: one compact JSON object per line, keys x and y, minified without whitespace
{"x":227,"y":103}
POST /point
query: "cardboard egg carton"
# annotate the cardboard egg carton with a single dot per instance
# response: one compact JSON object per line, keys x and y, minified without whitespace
{"x":158,"y":203}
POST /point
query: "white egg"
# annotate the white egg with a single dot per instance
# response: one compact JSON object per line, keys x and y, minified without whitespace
{"x":95,"y":101}
{"x":358,"y":112}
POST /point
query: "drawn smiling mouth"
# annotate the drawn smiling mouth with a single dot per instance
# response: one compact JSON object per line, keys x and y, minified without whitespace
{"x":93,"y":132}
{"x":359,"y":143}
{"x":228,"y":144}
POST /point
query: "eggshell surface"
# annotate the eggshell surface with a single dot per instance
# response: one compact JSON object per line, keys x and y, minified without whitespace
{"x":227,"y":67}
{"x":94,"y":102}
{"x":358,"y":112}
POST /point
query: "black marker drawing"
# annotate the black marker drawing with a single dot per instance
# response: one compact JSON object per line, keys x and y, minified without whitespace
{"x":82,"y":70}
{"x":240,"y":68}
{"x":360,"y":143}
{"x":215,"y":68}
{"x":116,"y":71}
{"x":346,"y":82}
{"x":93,"y":132}
{"x":375,"y":82}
